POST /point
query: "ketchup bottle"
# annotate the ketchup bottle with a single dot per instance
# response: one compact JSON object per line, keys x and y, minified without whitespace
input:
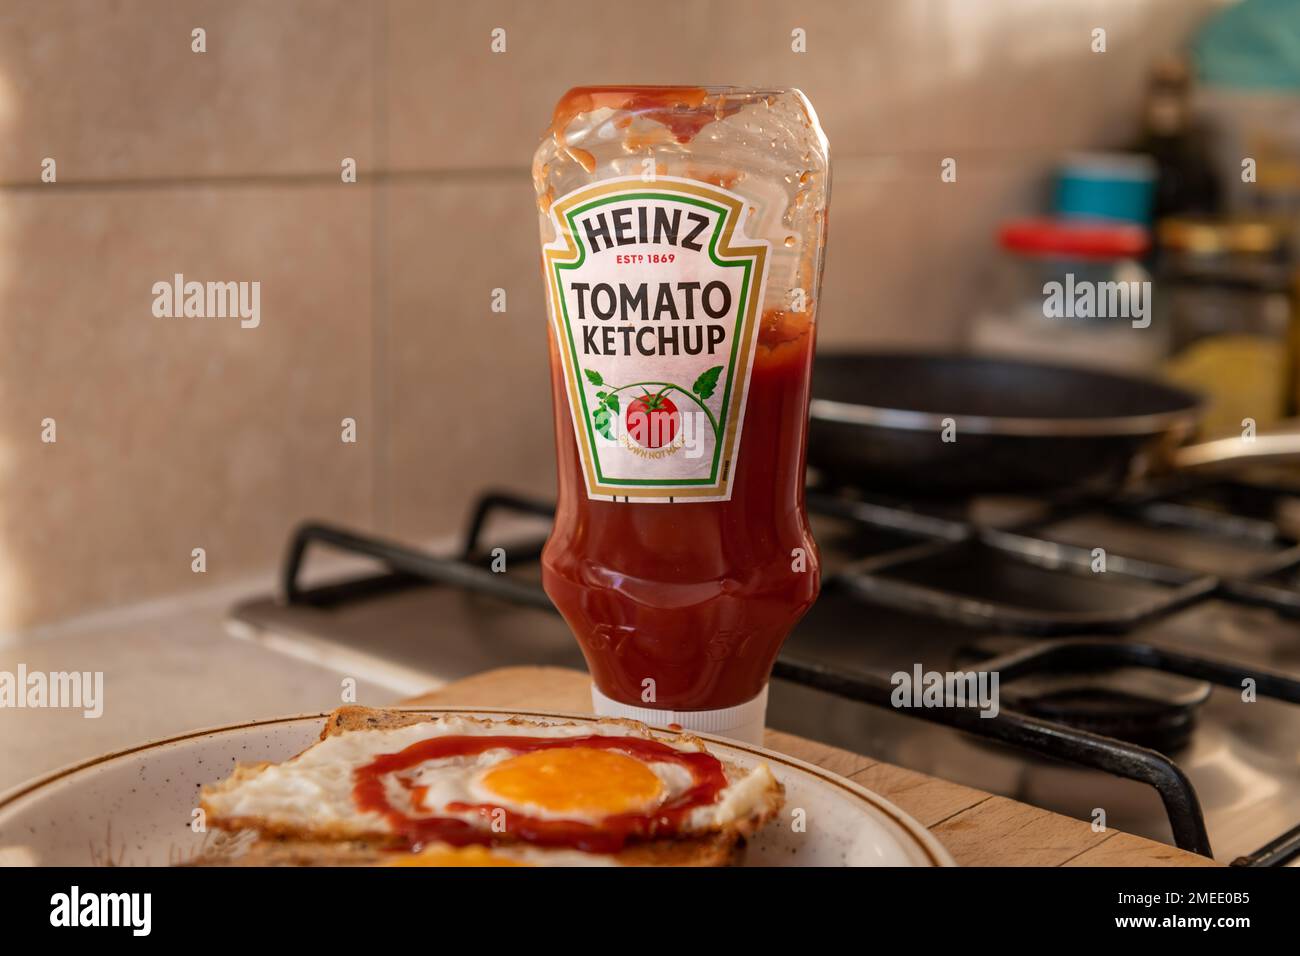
{"x":683,"y":231}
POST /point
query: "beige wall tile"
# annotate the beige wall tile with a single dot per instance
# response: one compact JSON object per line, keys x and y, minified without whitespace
{"x":456,"y":105}
{"x":909,"y":256}
{"x":468,"y":107}
{"x":174,"y":433}
{"x":874,"y":71}
{"x":874,"y":263}
{"x":923,"y":75}
{"x":110,"y":88}
{"x":468,"y":397}
{"x":886,"y":76}
{"x":1022,"y":75}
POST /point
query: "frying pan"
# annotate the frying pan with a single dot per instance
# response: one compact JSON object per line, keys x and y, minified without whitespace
{"x":878,"y":421}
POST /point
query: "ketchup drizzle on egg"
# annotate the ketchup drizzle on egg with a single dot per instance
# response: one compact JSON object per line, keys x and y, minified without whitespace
{"x":610,"y":835}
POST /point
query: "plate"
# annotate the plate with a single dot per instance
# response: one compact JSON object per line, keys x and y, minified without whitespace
{"x":136,"y":807}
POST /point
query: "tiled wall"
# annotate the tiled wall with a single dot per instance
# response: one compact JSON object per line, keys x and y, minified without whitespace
{"x":174,"y":434}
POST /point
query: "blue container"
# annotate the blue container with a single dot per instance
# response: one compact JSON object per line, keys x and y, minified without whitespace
{"x":1114,"y":186}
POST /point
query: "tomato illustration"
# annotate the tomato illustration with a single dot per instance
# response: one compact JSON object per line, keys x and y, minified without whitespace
{"x":653,"y":420}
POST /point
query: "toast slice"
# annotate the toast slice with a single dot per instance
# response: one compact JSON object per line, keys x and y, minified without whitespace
{"x":295,"y":835}
{"x":711,"y":851}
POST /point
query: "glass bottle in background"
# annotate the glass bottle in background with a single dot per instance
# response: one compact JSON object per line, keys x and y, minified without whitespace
{"x":1187,"y":182}
{"x":682,"y":231}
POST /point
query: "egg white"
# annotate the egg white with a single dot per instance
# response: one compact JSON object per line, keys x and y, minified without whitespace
{"x":312,"y":792}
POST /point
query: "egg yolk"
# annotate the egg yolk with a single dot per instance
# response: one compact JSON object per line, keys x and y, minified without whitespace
{"x":454,"y":856}
{"x":564,"y":779}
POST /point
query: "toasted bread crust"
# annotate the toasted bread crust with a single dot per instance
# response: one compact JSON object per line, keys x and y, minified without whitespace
{"x":711,"y":851}
{"x":337,"y":845}
{"x":355,"y":717}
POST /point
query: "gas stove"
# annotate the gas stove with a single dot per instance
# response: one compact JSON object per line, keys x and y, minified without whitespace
{"x":1147,"y":647}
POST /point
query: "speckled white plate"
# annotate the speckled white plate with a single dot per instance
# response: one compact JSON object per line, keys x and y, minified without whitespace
{"x":135,"y":807}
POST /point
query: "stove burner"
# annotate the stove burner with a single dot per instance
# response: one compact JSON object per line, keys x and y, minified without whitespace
{"x":1025,"y":585}
{"x":1147,"y":708}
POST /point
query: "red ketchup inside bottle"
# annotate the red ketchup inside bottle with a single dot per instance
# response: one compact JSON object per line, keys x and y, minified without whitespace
{"x":699,"y":596}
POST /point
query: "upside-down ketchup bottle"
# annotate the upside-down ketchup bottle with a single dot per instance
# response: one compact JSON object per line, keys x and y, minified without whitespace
{"x":682,"y":240}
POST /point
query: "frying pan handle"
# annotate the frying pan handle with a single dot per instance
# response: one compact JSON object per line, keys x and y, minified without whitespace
{"x":1277,"y":446}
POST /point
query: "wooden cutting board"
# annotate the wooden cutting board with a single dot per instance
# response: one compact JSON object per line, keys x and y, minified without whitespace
{"x":978,"y":828}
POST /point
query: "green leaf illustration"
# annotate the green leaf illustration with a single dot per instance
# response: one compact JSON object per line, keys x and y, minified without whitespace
{"x":593,"y":377}
{"x":600,"y":420}
{"x":707,"y":382}
{"x":611,"y":401}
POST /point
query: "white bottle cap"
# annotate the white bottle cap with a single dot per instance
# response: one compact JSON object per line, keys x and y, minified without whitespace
{"x":743,"y":722}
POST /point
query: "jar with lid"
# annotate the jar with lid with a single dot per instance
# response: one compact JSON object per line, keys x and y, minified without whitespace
{"x":1225,"y":287}
{"x":1071,"y":292}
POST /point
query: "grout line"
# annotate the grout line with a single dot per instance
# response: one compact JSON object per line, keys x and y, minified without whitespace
{"x":275,"y":180}
{"x":381,"y":404}
{"x":913,"y":161}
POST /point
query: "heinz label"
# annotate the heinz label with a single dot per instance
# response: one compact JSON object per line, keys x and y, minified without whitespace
{"x":655,"y":293}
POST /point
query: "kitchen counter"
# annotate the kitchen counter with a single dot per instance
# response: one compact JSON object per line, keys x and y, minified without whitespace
{"x":978,"y":828}
{"x":169,"y":667}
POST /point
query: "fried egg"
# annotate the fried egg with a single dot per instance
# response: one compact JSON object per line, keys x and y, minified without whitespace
{"x":490,"y":786}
